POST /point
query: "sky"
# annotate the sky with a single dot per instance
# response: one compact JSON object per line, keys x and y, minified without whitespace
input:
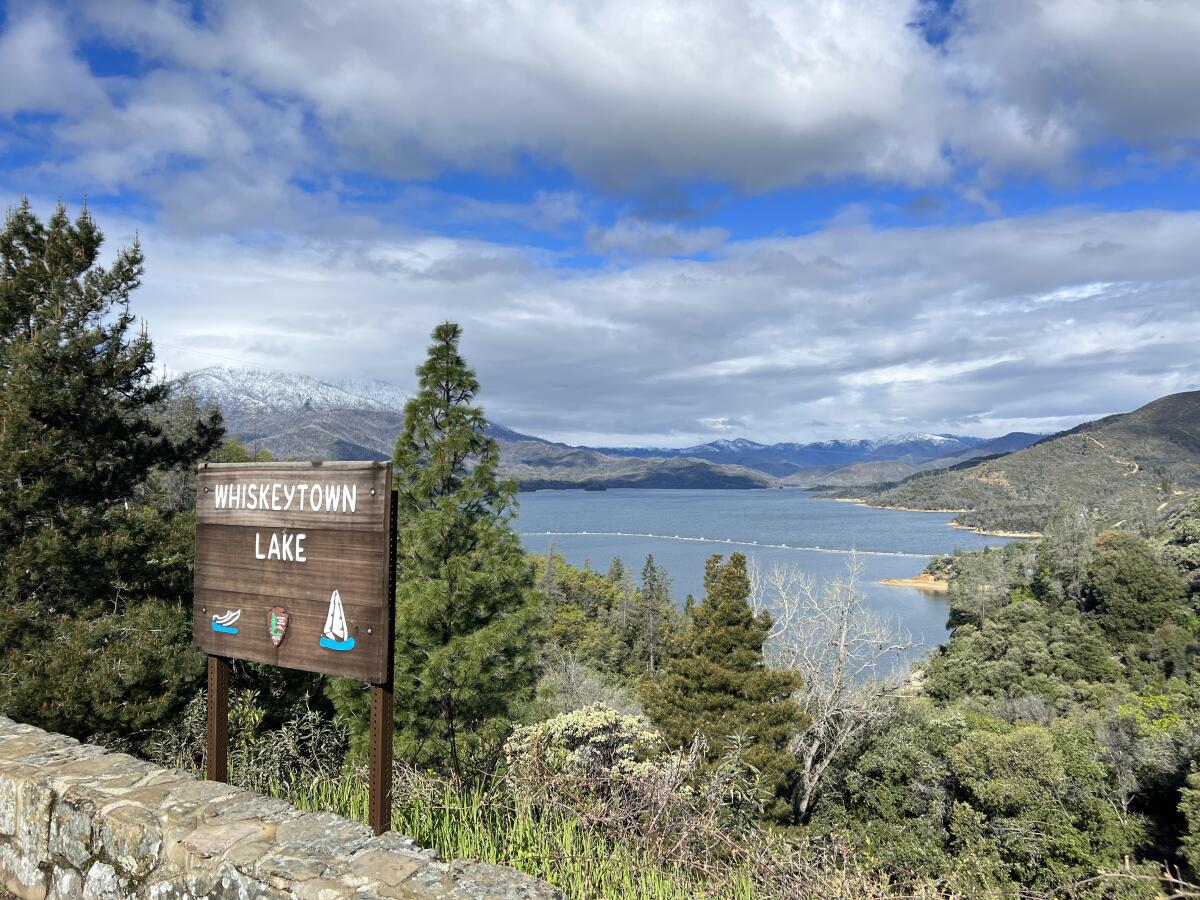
{"x":659,"y":222}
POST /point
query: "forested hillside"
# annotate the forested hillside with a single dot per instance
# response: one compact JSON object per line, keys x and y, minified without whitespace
{"x":1126,"y":468}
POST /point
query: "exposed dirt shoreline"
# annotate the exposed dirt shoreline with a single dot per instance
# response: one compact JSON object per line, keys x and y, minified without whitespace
{"x":922,"y":582}
{"x":1006,"y":534}
{"x":925,"y":581}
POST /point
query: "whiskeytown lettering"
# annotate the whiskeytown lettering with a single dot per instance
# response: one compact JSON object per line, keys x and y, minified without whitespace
{"x":282,"y":497}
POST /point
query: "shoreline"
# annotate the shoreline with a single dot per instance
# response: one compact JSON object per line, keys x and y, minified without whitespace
{"x":922,"y":582}
{"x":983,"y":531}
{"x":1004,"y":534}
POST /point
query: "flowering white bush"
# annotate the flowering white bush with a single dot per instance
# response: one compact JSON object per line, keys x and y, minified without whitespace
{"x":596,"y":741}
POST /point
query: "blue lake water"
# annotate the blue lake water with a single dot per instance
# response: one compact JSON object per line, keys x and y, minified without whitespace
{"x":682,"y":528}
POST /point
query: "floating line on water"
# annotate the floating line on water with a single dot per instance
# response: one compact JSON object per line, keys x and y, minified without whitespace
{"x":705,"y":540}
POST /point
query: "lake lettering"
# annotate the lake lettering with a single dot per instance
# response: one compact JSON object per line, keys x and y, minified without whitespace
{"x":287,"y":547}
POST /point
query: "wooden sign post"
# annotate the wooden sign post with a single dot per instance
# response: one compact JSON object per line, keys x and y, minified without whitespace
{"x":295,"y":567}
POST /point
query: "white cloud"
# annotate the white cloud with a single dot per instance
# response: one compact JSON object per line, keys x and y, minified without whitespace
{"x":625,"y":94}
{"x":847,"y":330}
{"x":1050,"y":77}
{"x":760,"y":94}
{"x":38,"y":68}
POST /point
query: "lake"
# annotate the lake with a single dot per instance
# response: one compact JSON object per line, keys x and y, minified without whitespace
{"x":682,"y":528}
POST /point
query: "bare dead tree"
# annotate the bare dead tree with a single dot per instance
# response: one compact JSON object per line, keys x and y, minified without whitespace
{"x":850,"y":657}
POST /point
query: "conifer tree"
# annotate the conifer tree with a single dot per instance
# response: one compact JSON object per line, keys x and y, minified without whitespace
{"x":657,"y":617}
{"x":616,"y":570}
{"x":80,"y":433}
{"x":466,"y":612}
{"x":714,"y":682}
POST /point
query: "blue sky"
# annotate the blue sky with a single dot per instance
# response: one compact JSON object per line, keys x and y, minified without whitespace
{"x":658,"y":222}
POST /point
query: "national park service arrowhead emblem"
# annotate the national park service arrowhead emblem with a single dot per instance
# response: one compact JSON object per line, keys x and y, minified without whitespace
{"x":277,"y":625}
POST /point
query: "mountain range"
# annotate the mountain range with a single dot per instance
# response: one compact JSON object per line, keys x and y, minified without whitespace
{"x":294,"y":415}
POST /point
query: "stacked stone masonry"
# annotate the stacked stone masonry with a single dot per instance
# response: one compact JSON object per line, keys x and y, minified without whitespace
{"x":78,"y":822}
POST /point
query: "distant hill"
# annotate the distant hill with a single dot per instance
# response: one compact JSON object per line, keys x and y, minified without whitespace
{"x":295,"y":416}
{"x":1125,"y":467}
{"x":873,"y":472}
{"x":787,"y":459}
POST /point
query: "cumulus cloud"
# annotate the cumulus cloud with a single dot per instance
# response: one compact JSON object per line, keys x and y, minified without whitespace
{"x":762,"y":93}
{"x":245,"y":102}
{"x":38,"y":68}
{"x":759,"y":94}
{"x":1056,"y":76}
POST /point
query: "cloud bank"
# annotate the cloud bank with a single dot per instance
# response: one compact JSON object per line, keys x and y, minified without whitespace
{"x":1032,"y":323}
{"x":315,"y":185}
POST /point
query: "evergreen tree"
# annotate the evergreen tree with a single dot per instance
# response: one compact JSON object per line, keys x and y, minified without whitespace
{"x":81,"y":431}
{"x":714,"y":681}
{"x":656,"y":616}
{"x":466,"y":616}
{"x":616,"y":570}
{"x":1129,"y":589}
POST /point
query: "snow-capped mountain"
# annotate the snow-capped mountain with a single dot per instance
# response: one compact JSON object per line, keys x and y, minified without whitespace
{"x":737,"y":445}
{"x":244,"y":390}
{"x":298,"y":417}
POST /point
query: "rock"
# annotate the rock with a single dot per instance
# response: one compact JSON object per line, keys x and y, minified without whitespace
{"x":78,"y":823}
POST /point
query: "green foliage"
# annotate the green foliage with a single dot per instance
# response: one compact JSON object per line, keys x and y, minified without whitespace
{"x":121,"y":674}
{"x":1130,"y":590}
{"x":584,"y":612}
{"x":583,"y":860}
{"x":981,"y":584}
{"x":714,"y":682}
{"x":1180,"y":538}
{"x":76,"y":402}
{"x":605,"y":622}
{"x":306,"y":744}
{"x":1190,"y":807}
{"x":655,"y":618}
{"x":95,"y":568}
{"x":1056,"y":726}
{"x":232,"y":450}
{"x":1026,"y":648}
{"x":466,"y":610}
{"x":985,"y":804}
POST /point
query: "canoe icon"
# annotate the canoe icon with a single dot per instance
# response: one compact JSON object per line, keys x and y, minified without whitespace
{"x":224,"y":623}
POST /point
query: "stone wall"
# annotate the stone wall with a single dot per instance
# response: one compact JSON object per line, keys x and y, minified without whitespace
{"x":77,"y":821}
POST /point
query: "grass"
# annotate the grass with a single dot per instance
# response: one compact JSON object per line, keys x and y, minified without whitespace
{"x":552,"y":846}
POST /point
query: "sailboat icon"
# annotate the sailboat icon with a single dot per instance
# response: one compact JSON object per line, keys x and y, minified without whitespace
{"x":335,"y":636}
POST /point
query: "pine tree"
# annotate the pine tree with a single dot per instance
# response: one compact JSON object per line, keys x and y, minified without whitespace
{"x":714,"y":681}
{"x":81,"y":431}
{"x":657,"y":618}
{"x":616,"y":570}
{"x":466,"y":608}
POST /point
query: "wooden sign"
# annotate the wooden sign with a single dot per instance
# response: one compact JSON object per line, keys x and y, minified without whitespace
{"x":293,"y":565}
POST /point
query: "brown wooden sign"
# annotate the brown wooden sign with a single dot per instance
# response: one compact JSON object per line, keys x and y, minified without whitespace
{"x":293,"y":565}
